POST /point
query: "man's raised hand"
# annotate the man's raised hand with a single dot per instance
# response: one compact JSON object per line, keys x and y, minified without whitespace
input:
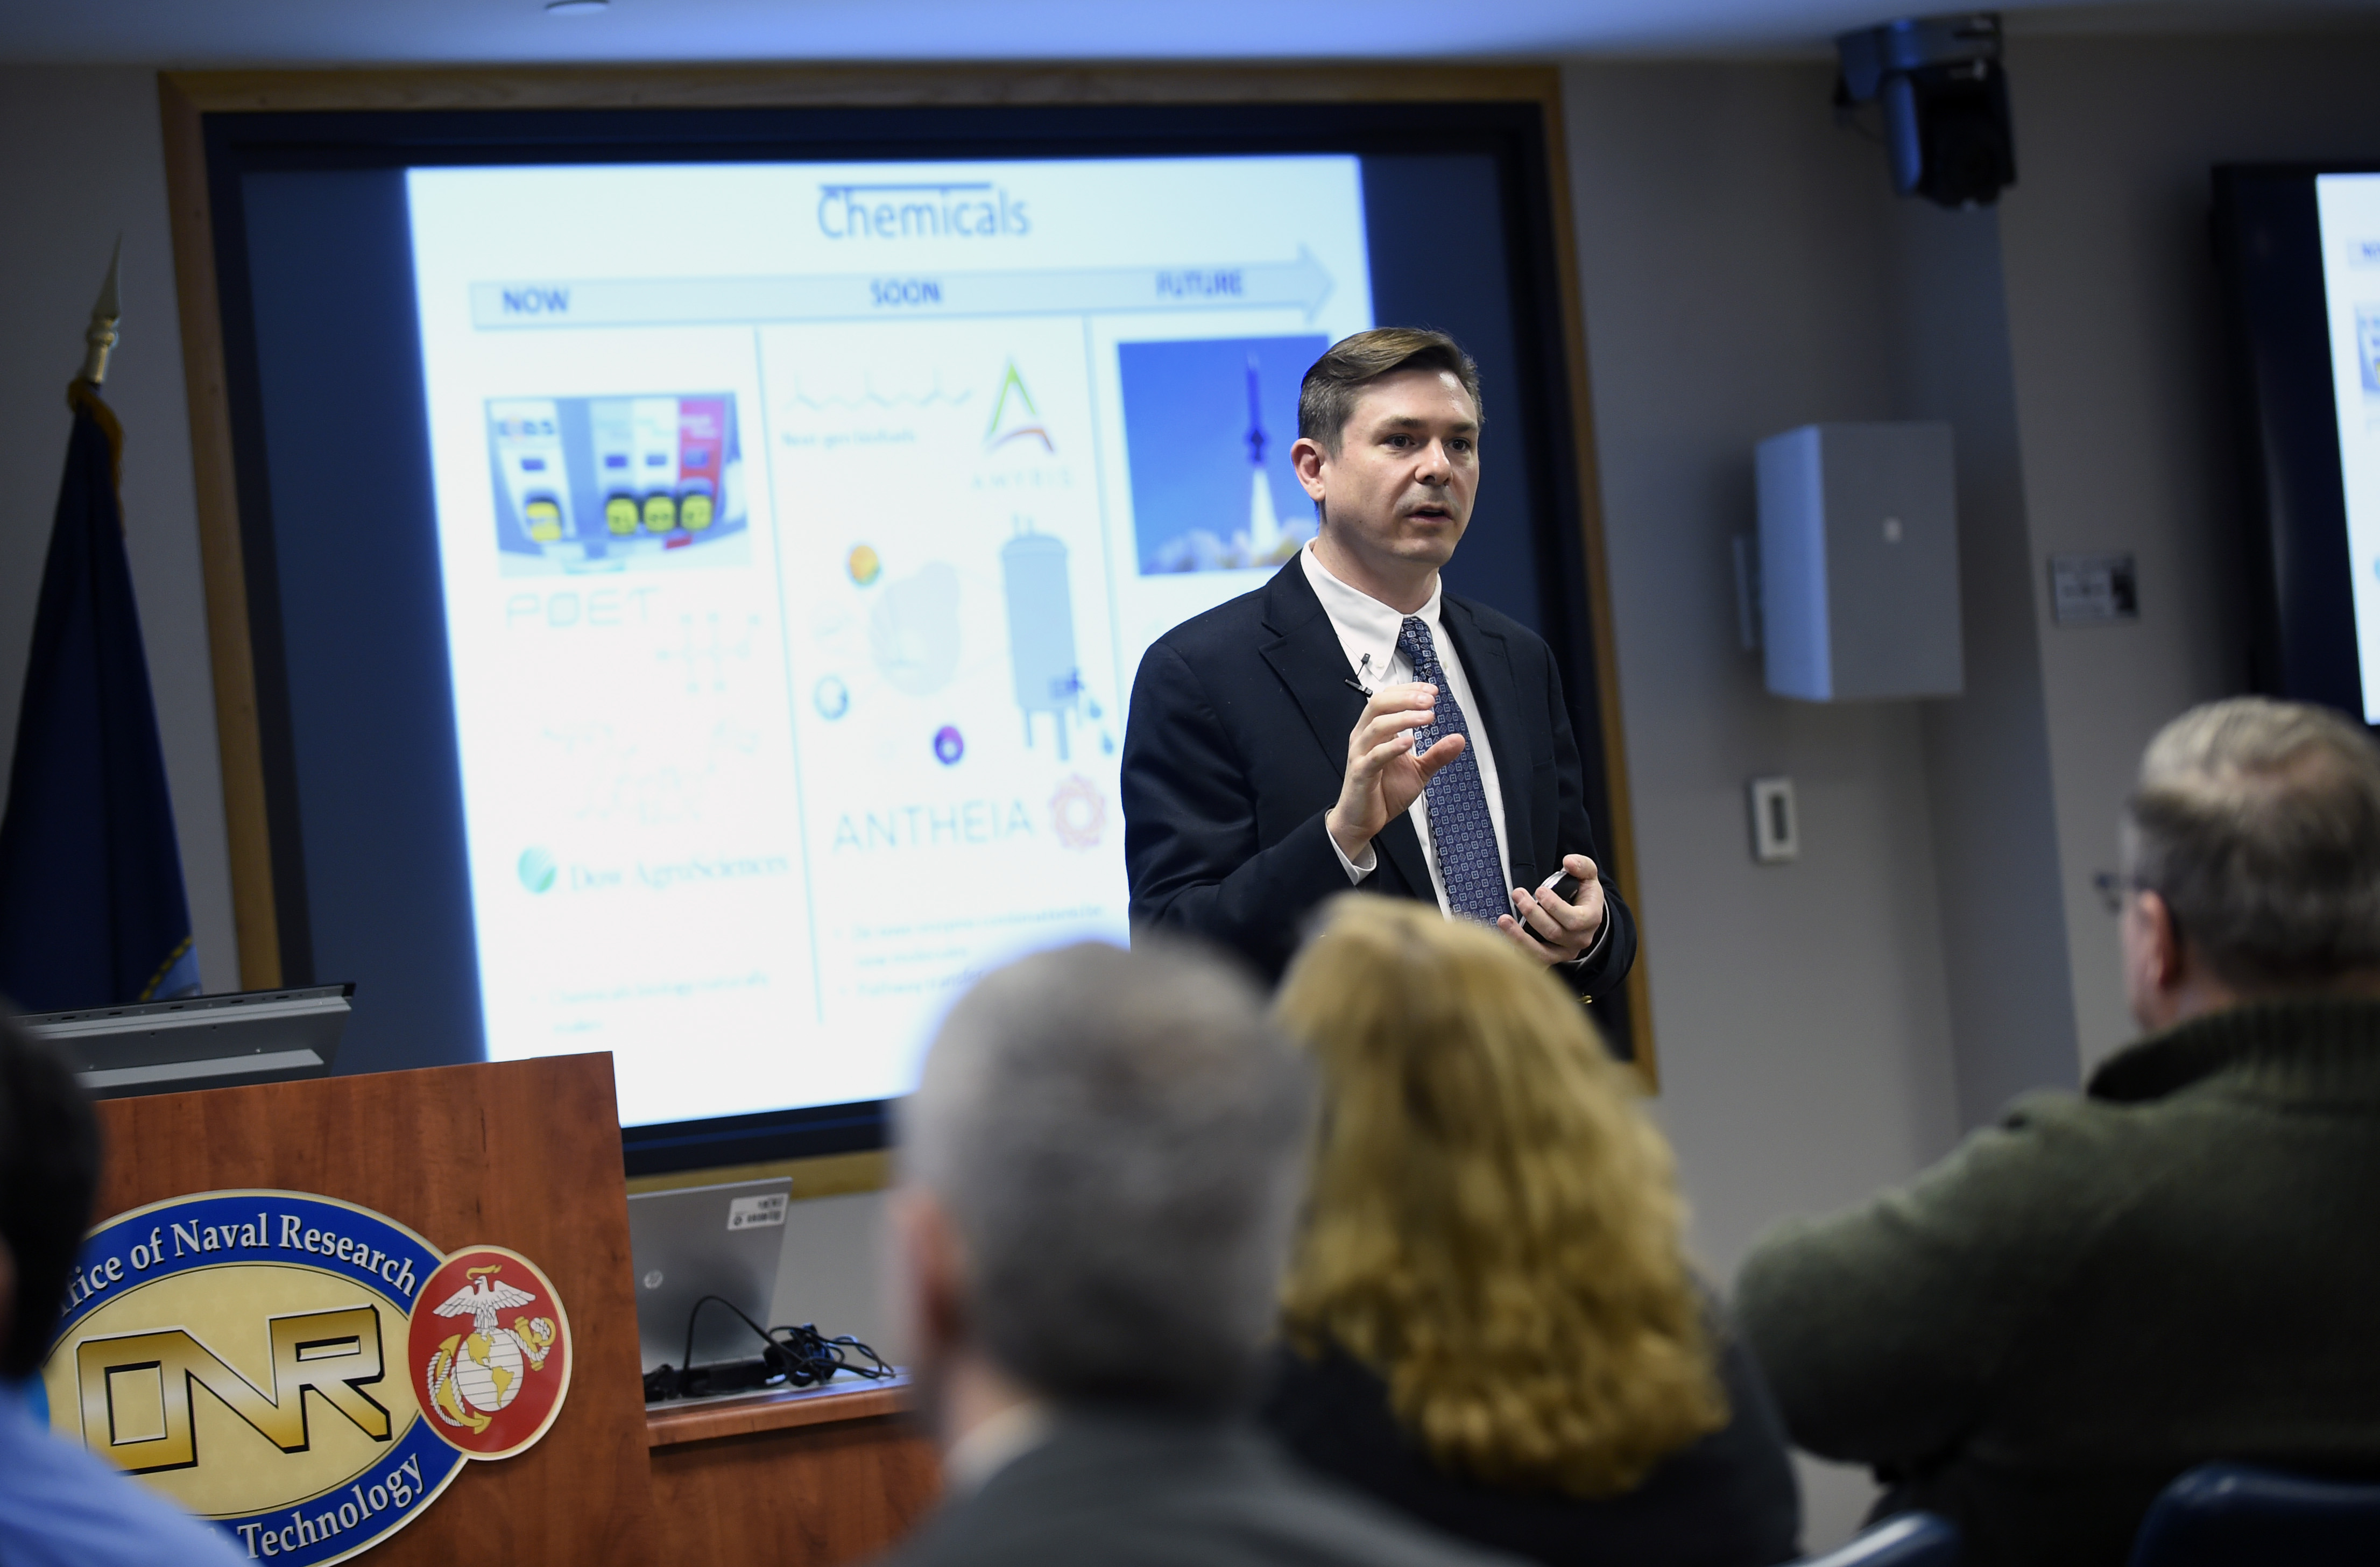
{"x":1384,"y":775}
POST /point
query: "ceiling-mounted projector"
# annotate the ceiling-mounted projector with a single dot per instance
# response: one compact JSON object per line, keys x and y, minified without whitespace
{"x":1945,"y":99}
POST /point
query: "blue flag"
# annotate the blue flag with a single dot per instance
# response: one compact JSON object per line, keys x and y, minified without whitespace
{"x":91,"y":908}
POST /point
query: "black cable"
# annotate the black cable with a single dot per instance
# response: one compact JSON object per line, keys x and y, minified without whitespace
{"x":804,"y":1356}
{"x":688,"y":1362}
{"x":819,"y":1349}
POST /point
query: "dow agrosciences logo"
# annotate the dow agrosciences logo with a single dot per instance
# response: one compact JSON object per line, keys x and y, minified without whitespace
{"x":306,"y":1374}
{"x":536,"y":869}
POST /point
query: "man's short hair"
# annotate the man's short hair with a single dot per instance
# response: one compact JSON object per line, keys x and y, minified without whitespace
{"x":1117,"y":1137}
{"x":49,"y":1173}
{"x":1327,"y":399}
{"x":2258,"y":824}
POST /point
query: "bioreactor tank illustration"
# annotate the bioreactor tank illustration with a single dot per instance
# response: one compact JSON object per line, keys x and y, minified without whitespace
{"x":1042,"y":630}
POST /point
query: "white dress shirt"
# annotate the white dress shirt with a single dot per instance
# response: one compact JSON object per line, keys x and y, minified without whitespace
{"x":1368,"y":630}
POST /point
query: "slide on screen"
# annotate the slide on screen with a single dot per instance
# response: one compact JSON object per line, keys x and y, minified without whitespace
{"x":801,"y":528}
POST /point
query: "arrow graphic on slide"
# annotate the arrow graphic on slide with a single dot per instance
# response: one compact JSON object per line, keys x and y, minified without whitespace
{"x":1301,"y":284}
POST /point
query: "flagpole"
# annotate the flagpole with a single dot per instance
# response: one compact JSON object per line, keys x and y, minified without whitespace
{"x":99,"y":338}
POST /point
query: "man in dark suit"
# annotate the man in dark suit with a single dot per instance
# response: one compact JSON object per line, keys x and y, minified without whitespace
{"x":1099,"y":1169}
{"x":1348,"y":723}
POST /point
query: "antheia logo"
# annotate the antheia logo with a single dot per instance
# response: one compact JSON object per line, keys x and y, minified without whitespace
{"x":978,"y":210}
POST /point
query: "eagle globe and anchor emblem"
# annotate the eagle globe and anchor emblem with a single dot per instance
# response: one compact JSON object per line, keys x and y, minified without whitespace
{"x":474,"y":1377}
{"x":490,"y":1351}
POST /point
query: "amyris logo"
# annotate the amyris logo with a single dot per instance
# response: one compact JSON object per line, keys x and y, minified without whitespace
{"x":1014,"y":417}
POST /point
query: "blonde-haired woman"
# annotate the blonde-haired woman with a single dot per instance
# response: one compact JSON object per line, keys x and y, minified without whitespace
{"x":1489,"y":1319}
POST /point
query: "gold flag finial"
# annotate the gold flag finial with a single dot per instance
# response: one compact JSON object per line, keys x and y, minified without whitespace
{"x":100,"y":336}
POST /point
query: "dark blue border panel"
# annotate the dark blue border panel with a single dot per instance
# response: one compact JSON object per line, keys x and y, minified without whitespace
{"x":1412,"y":206}
{"x":2302,"y":604}
{"x":371,"y":711}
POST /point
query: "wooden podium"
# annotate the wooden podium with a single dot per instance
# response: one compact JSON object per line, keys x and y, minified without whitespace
{"x":524,"y":1155}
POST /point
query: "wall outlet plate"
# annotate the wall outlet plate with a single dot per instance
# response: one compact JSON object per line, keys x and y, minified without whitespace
{"x":1776,"y":825}
{"x":2094,"y":590}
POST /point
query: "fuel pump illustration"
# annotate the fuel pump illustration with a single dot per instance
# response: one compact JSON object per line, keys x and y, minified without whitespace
{"x":656,"y":431}
{"x":527,"y":438}
{"x":612,"y":427}
{"x":602,"y":483}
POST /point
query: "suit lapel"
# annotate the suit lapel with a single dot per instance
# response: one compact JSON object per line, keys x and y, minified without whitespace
{"x":1304,"y":652}
{"x":1487,"y":663}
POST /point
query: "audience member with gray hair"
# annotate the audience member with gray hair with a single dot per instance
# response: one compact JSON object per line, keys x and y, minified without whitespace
{"x":1099,"y":1170}
{"x":2176,"y":1266}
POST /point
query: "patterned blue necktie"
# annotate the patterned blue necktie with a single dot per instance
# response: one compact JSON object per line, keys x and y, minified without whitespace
{"x":1460,"y":828}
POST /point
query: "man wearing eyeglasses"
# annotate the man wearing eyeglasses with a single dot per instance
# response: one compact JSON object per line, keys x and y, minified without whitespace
{"x":2037,"y":1335}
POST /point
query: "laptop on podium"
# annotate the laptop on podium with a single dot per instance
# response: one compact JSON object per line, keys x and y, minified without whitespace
{"x":727,"y":1241}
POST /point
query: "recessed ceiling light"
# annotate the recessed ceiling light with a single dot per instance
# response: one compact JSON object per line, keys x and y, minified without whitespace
{"x":576,"y":7}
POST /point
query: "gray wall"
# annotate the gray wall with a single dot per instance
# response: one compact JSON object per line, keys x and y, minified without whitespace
{"x":2116,"y":341}
{"x":1734,"y":266}
{"x":1987,"y":761}
{"x":1731,"y":259}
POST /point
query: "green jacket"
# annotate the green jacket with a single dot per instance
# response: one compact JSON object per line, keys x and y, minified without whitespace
{"x":2181,"y":1264}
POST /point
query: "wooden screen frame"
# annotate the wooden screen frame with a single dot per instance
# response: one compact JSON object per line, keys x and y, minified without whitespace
{"x":186,"y":96}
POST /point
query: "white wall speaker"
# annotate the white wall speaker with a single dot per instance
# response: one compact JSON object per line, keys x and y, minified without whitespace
{"x":1859,"y":563}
